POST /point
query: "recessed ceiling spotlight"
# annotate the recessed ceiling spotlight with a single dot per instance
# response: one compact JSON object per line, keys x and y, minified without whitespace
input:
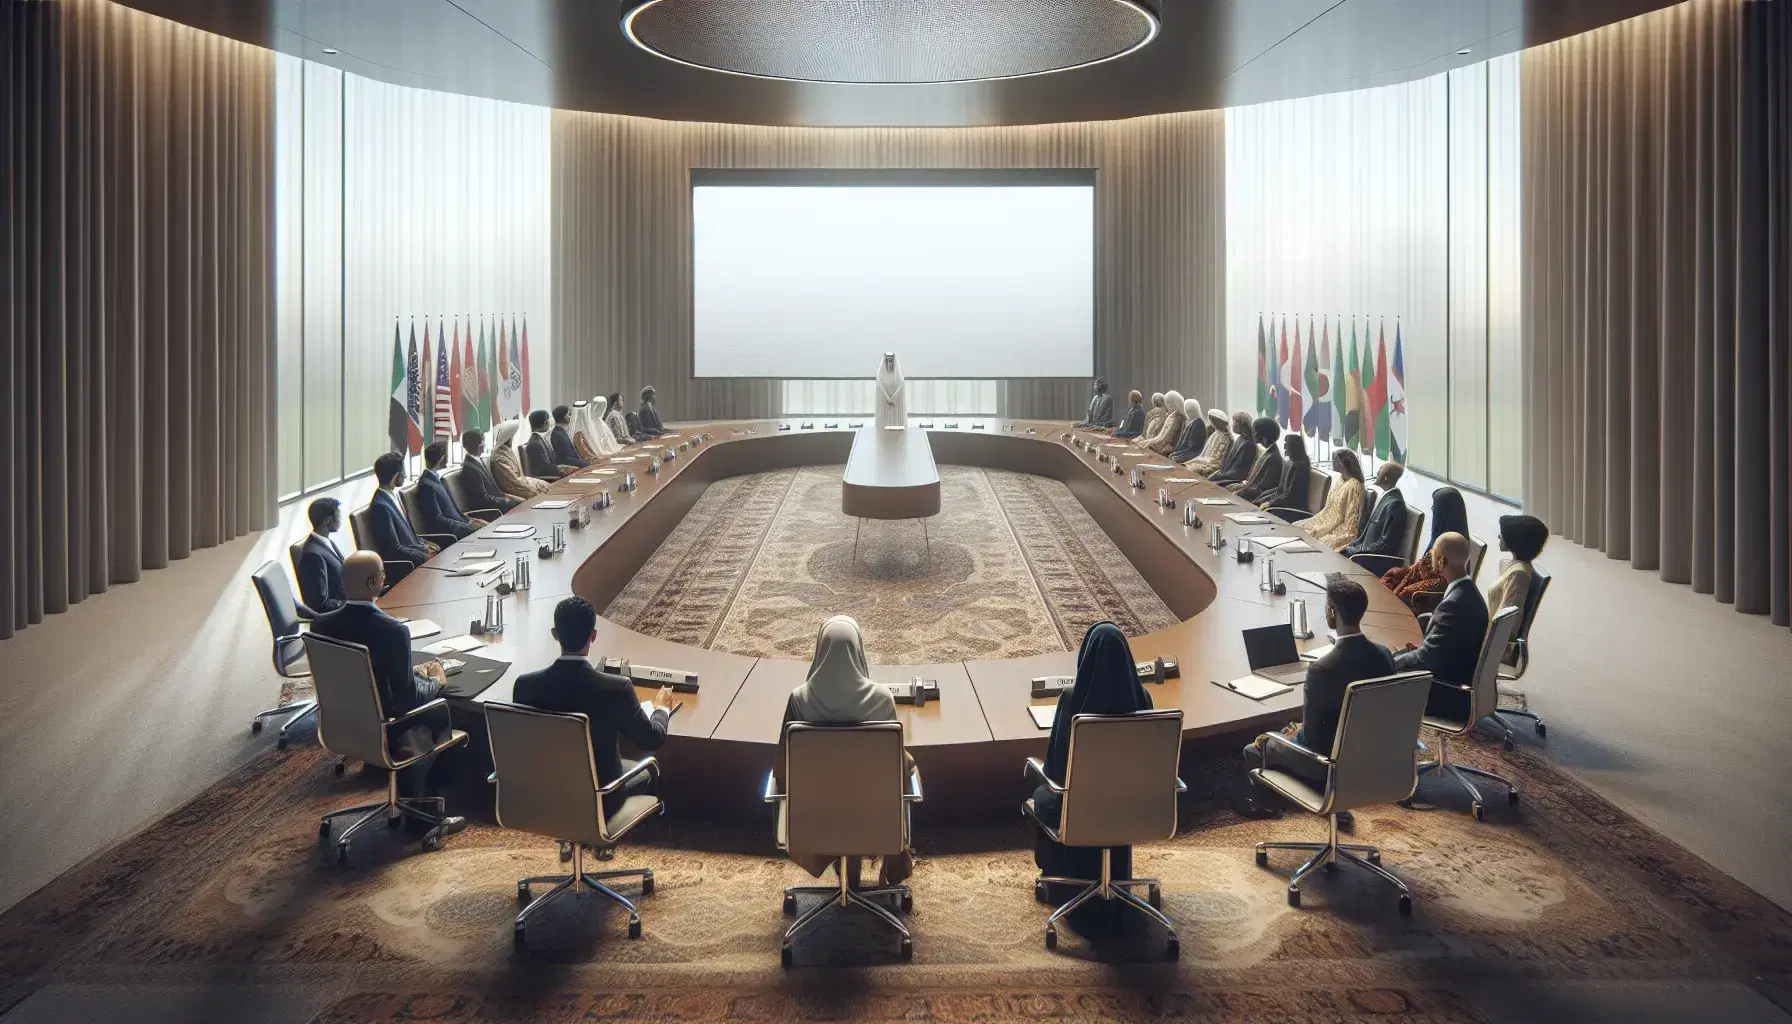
{"x":890,"y":42}
{"x":331,"y":49}
{"x":1463,"y":52}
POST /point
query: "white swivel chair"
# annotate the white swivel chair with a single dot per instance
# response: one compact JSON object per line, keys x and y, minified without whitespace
{"x":847,"y":793}
{"x":1119,"y":789}
{"x":1371,"y":762}
{"x":351,"y":722}
{"x":1484,"y":700}
{"x":547,"y":785}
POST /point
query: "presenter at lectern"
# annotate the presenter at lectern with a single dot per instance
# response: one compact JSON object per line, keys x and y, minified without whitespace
{"x":892,"y":401}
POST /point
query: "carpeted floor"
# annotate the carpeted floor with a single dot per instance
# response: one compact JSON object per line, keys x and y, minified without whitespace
{"x":230,"y":894}
{"x":1017,"y":568}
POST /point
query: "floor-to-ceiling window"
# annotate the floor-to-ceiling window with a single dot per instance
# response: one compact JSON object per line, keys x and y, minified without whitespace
{"x":1372,"y":244}
{"x":404,"y":212}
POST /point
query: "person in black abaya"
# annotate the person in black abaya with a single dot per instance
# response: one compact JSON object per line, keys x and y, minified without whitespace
{"x":1107,"y":683}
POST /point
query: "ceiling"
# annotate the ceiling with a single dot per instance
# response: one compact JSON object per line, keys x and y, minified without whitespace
{"x":1209,"y":53}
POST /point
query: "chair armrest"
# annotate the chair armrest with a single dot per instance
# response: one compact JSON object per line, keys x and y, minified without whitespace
{"x":1036,"y":767}
{"x":1301,"y":512}
{"x":913,"y":794}
{"x":771,"y":780}
{"x":1424,"y":620}
{"x":442,"y":539}
{"x":428,"y":705}
{"x":1378,"y":564}
{"x":1276,"y":739}
{"x":1425,"y":601}
{"x":646,"y":764}
{"x":487,"y":514}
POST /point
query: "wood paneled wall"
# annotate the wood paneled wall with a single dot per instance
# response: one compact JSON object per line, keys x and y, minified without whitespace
{"x":136,"y":310}
{"x":622,"y":245}
{"x":1658,"y":289}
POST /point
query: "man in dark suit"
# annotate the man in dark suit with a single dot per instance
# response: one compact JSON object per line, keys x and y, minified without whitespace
{"x":393,"y":537}
{"x":649,"y":414}
{"x":1452,"y":644}
{"x":608,"y":702}
{"x":538,"y":451}
{"x":435,"y":506}
{"x":1101,"y":407}
{"x":564,"y":452}
{"x":320,"y":564}
{"x":401,"y":688}
{"x":1385,"y":531}
{"x":481,"y":484}
{"x":1353,"y":657}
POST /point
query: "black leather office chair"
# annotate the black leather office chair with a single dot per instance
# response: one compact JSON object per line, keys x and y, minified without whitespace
{"x":407,"y":500}
{"x":1414,"y":539}
{"x":288,"y":628}
{"x":455,"y":479}
{"x":357,"y":525}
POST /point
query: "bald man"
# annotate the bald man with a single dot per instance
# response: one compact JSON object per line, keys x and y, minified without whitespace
{"x":401,"y":688}
{"x":1452,"y":643}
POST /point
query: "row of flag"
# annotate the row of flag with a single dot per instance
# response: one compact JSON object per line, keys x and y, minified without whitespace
{"x":471,"y":386}
{"x":1345,"y":394}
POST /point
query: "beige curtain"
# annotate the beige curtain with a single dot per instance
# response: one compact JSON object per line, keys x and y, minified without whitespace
{"x":1657,"y":283}
{"x":136,"y":320}
{"x":622,"y":245}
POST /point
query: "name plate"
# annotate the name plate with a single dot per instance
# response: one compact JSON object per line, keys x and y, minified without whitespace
{"x":649,"y":675}
{"x":1051,"y":686}
{"x":916,"y":691}
{"x":1158,"y":670}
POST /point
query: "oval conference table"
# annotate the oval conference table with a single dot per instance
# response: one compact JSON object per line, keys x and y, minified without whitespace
{"x":971,"y":743}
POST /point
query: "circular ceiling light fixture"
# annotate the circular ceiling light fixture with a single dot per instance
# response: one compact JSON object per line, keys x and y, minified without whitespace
{"x":890,"y":42}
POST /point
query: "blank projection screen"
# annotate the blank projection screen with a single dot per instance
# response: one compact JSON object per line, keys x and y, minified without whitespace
{"x":963,"y":274}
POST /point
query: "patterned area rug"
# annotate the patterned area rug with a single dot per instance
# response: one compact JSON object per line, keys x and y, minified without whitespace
{"x":232,"y":890}
{"x":1012,"y":566}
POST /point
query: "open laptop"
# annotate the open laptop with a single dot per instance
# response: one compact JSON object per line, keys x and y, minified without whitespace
{"x":1273,"y":656}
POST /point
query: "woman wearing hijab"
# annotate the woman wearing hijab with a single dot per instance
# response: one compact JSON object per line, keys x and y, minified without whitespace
{"x":507,"y":467}
{"x":593,"y":433}
{"x":1523,"y":538}
{"x":1448,"y":515}
{"x":1289,"y":501}
{"x":1169,"y":431}
{"x":1194,"y":435}
{"x":892,"y":397}
{"x":1134,"y":423}
{"x":1218,"y":446}
{"x":1266,"y":473}
{"x":1243,"y":457}
{"x":839,"y":691}
{"x":1107,"y":683}
{"x":581,"y":441}
{"x":1338,"y":523}
{"x":615,"y":421}
{"x":1154,"y":418}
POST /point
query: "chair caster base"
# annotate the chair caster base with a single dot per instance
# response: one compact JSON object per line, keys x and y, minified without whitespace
{"x":1405,"y":905}
{"x":1051,"y":938}
{"x":786,"y":957}
{"x":634,"y":927}
{"x":1407,"y":803}
{"x":1041,"y":893}
{"x":1542,"y":730}
{"x":1506,"y":744}
{"x":1480,"y":815}
{"x":1512,"y":797}
{"x":280,"y":744}
{"x":341,"y":767}
{"x":1331,"y":867}
{"x":907,"y":952}
{"x":323,"y":829}
{"x":1294,"y":897}
{"x":1155,"y":897}
{"x":565,"y":852}
{"x":790,"y":904}
{"x":255,"y":727}
{"x":907,"y":903}
{"x":647,"y":884}
{"x":1374,"y":857}
{"x":522,"y":892}
{"x":1173,"y":949}
{"x":1263,"y":858}
{"x":519,"y":939}
{"x":432,"y":840}
{"x":342,"y":856}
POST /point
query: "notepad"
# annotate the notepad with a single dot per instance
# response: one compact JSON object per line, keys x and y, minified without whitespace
{"x":1182,"y":480}
{"x":1254,"y":687}
{"x":421,"y":627}
{"x":1214,"y":501}
{"x":1318,"y":652}
{"x":1154,"y":467}
{"x":1246,"y":519}
{"x":477,"y":554}
{"x":556,"y":503}
{"x":1043,"y":714}
{"x":455,"y":645}
{"x":512,"y":531}
{"x":1273,"y":543}
{"x":1299,"y":547}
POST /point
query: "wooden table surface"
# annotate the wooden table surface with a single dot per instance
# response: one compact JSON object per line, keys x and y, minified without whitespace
{"x":980,"y":726}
